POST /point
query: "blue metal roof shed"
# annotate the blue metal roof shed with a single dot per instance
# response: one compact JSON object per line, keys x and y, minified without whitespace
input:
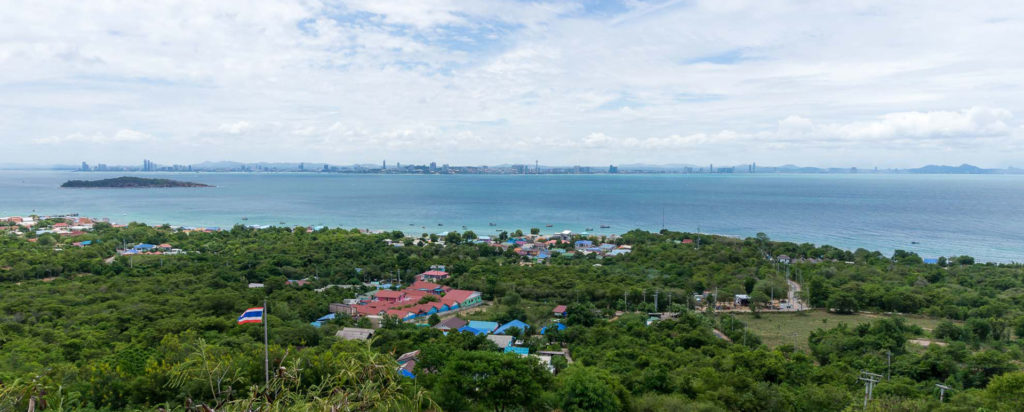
{"x":513,"y":324}
{"x":487,"y":327}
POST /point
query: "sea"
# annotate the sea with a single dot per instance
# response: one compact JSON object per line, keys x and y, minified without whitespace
{"x":932,"y":215}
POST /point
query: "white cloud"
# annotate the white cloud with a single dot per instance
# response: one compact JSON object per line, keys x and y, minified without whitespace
{"x":500,"y":81}
{"x":238,"y":127}
{"x":121,"y":136}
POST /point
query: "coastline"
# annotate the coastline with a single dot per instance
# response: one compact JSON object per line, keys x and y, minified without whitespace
{"x":932,"y":215}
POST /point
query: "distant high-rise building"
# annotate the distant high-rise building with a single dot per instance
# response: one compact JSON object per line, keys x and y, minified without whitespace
{"x":384,"y":165}
{"x":613,"y":169}
{"x":302,"y":166}
{"x":433,"y":166}
{"x":85,"y":167}
{"x":326,"y":169}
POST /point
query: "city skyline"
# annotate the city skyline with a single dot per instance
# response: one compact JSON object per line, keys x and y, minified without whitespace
{"x":594,"y":82}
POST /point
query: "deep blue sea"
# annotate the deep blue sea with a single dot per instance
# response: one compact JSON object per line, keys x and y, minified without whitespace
{"x":978,"y":215}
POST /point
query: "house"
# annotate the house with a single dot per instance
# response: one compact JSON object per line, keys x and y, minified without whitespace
{"x":556,"y":326}
{"x":320,"y":321}
{"x":560,"y":311}
{"x":390,"y":296}
{"x":431,"y":288}
{"x":583,"y":244}
{"x":784,"y":259}
{"x":452,"y":323}
{"x":407,"y":362}
{"x":347,"y":308}
{"x":432,"y":275}
{"x":503,"y":341}
{"x":741,"y":300}
{"x":255,"y":285}
{"x":297,"y":282}
{"x":474,"y":331}
{"x":408,"y":356}
{"x":354,"y":334}
{"x":518,"y":350}
{"x":522,"y":326}
{"x":687,"y":241}
{"x":464,"y":298}
{"x":485,"y":326}
{"x":402,"y":314}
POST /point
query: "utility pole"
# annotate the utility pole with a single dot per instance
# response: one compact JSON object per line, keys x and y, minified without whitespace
{"x":655,"y":300}
{"x":266,"y":348}
{"x":942,"y":391}
{"x":870,"y":379}
{"x":888,"y":359}
{"x":625,"y":301}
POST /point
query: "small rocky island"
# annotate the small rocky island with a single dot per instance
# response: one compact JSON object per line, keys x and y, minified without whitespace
{"x":128,"y":182}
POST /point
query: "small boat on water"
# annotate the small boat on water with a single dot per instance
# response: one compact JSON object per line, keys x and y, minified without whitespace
{"x":492,"y":224}
{"x":589,"y":229}
{"x":548,"y":225}
{"x":440,"y":224}
{"x":245,"y":218}
{"x":605,"y":226}
{"x":915,"y":243}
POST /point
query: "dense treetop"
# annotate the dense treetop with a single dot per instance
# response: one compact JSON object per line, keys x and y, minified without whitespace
{"x":138,"y":332}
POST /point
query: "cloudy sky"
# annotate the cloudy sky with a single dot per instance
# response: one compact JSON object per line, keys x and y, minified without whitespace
{"x":834,"y":83}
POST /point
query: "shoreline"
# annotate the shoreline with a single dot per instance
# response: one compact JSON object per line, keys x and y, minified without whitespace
{"x":417,"y":233}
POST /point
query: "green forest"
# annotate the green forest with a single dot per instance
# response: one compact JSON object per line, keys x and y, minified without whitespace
{"x":80,"y":330}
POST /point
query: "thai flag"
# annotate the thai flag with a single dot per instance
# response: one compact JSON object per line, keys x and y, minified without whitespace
{"x":251,"y":315}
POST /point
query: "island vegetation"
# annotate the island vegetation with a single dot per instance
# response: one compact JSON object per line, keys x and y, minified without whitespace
{"x":80,"y":330}
{"x":129,"y":182}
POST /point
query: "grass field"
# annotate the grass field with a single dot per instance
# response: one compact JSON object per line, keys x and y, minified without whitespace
{"x":777,"y":329}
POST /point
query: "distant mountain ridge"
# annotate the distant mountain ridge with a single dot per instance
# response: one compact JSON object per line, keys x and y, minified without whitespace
{"x":962,"y":169}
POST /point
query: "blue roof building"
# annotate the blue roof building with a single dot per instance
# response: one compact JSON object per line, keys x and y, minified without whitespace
{"x":931,"y":261}
{"x":517,"y":350}
{"x":513,"y":324}
{"x":487,"y":327}
{"x":319,"y":322}
{"x":557,"y":326}
{"x":583,"y":243}
{"x":472,"y":330}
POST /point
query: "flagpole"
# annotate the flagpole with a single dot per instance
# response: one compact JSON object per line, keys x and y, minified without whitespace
{"x":266,"y":348}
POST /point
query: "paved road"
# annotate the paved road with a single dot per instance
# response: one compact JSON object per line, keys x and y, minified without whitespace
{"x":797,"y":304}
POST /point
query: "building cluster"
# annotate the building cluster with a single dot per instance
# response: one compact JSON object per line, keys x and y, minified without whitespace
{"x":418,"y":300}
{"x":149,"y":249}
{"x":541,"y":247}
{"x":62,"y":225}
{"x":507,"y":337}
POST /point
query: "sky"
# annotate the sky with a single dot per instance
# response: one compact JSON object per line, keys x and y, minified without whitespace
{"x":817,"y":83}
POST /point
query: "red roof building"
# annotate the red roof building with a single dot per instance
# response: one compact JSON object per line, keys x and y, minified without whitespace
{"x":559,"y":310}
{"x":390,"y":296}
{"x":433,"y":275}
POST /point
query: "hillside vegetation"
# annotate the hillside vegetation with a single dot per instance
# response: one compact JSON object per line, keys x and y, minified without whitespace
{"x":142,"y":332}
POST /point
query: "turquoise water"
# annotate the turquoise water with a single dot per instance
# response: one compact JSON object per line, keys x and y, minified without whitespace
{"x":978,"y":215}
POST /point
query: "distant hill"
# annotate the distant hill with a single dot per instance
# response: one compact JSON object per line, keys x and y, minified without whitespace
{"x":128,"y":182}
{"x":962,"y":169}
